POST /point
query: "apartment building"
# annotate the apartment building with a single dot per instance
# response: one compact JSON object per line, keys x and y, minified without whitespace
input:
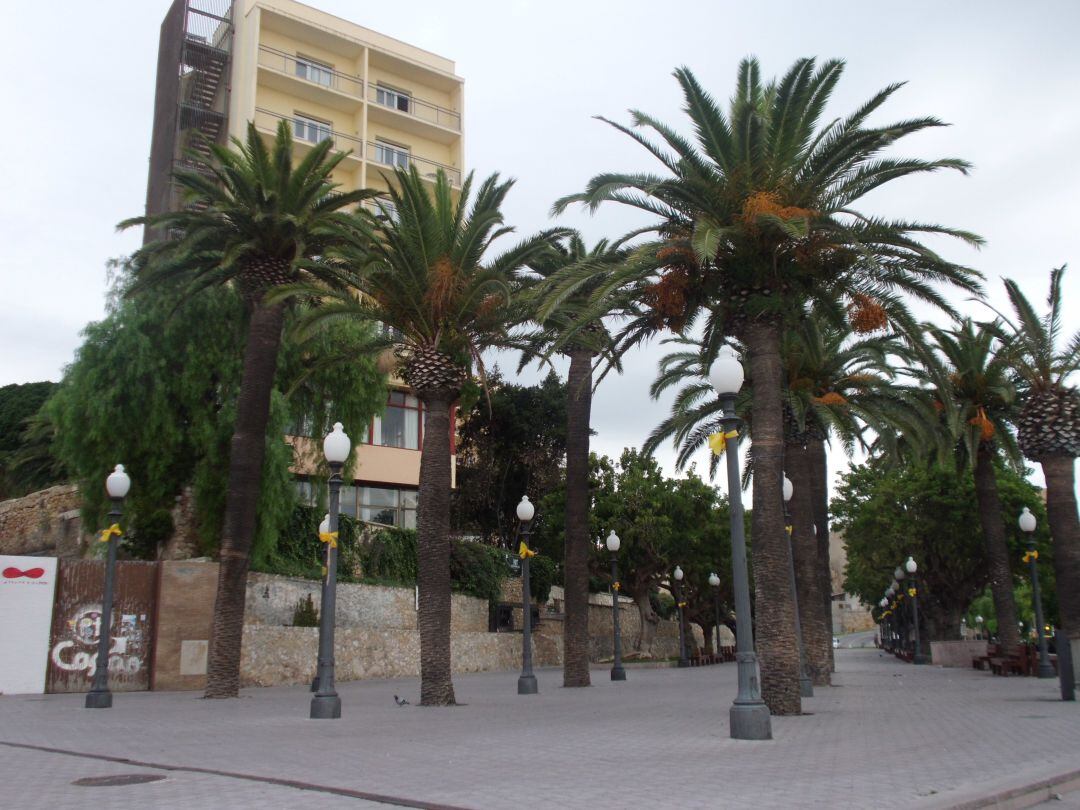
{"x":225,"y":63}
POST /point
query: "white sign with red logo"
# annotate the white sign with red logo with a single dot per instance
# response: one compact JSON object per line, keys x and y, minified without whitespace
{"x":27,"y":589}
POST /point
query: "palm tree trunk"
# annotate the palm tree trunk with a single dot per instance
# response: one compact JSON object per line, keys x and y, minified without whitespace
{"x":246,"y":452}
{"x":997,"y":550}
{"x":816,"y":633}
{"x":778,"y":650}
{"x":576,"y":546}
{"x":819,"y":487}
{"x":433,"y":552}
{"x":1065,"y":532}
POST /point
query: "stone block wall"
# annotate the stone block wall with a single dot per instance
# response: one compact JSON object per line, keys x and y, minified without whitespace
{"x":275,"y":656}
{"x":43,"y":522}
{"x":956,"y":653}
{"x":271,"y":600}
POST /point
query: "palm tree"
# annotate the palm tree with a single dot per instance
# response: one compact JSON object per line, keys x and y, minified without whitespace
{"x":420,"y":268}
{"x":258,"y":222}
{"x":968,"y":372}
{"x":1048,"y":427}
{"x":581,"y":348}
{"x":836,"y":383}
{"x":754,"y":218}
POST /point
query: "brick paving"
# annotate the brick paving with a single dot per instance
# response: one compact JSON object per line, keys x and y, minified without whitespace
{"x":887,"y":734}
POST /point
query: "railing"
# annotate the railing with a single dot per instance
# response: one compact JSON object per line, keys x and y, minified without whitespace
{"x":266,"y":119}
{"x":311,"y":72}
{"x":386,"y":155}
{"x":414,"y":107}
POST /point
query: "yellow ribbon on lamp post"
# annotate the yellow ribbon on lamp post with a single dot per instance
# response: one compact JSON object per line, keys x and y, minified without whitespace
{"x":329,"y":537}
{"x":112,"y":531}
{"x":718,"y":441}
{"x":525,"y":552}
{"x":1030,"y":555}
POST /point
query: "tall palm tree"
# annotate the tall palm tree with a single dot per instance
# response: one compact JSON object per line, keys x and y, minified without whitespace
{"x":582,"y":348}
{"x":421,"y":267}
{"x":836,"y":383}
{"x":968,"y":371}
{"x":259,"y":222}
{"x":1048,"y":427}
{"x":753,"y":218}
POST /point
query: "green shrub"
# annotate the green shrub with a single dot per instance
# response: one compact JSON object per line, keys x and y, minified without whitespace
{"x":147,"y":532}
{"x":300,"y":553}
{"x":663,"y":604}
{"x":305,"y":614}
{"x":391,"y":556}
{"x":541,"y":577}
{"x":477,"y":569}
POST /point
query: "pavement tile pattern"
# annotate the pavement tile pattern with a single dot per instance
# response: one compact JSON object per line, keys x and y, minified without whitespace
{"x":887,"y":734}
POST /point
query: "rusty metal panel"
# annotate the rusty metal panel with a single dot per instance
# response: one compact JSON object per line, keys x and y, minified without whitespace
{"x":77,"y":620}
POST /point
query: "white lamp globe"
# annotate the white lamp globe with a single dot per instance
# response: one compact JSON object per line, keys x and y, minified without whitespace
{"x":118,"y":483}
{"x":678,"y":573}
{"x":978,"y":620}
{"x":324,"y":527}
{"x":726,"y":373}
{"x":613,"y":542}
{"x":789,"y":489}
{"x":1027,"y":521}
{"x":714,"y":580}
{"x":525,"y":510}
{"x":336,"y":445}
{"x":911,"y":565}
{"x":884,"y":603}
{"x":898,"y":574}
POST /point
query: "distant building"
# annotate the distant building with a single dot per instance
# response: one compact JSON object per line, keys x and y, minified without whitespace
{"x":222,"y":64}
{"x":849,"y":615}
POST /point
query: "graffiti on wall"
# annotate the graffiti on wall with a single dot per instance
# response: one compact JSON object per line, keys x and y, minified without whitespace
{"x":78,"y":652}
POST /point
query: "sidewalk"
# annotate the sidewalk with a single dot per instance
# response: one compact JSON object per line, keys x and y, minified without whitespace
{"x":889,"y":734}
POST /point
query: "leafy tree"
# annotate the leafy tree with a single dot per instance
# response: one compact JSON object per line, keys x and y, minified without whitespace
{"x":155,"y":385}
{"x":508,"y":445}
{"x":260,"y":223}
{"x":1048,"y":425}
{"x":427,"y":275}
{"x":26,"y":463}
{"x":930,"y":513}
{"x":754,"y":218}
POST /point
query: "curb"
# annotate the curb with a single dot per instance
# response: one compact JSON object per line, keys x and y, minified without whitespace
{"x":1027,"y":795}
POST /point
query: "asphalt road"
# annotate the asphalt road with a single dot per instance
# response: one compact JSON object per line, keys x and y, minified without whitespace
{"x":857,"y":640}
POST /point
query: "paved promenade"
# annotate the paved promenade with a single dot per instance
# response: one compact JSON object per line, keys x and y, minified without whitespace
{"x":887,"y":735}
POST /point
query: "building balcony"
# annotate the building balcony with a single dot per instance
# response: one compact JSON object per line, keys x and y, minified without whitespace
{"x":305,"y":134}
{"x":411,"y":114}
{"x":380,"y":154}
{"x":310,"y":79}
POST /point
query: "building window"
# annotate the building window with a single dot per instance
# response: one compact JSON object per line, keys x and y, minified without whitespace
{"x":313,"y":71}
{"x":399,"y":426}
{"x":389,"y":506}
{"x":310,"y":129}
{"x":391,"y":155}
{"x":396,"y":99}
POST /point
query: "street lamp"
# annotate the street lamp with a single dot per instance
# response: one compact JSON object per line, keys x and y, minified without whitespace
{"x":883,"y":604}
{"x":979,"y":622}
{"x":714,"y":580}
{"x":806,"y":686}
{"x":116,"y":485}
{"x":749,"y":716}
{"x":1027,"y":525}
{"x":617,"y":671}
{"x":326,"y":705}
{"x":526,"y":681}
{"x":324,"y":529}
{"x":913,"y":591}
{"x":684,"y":661}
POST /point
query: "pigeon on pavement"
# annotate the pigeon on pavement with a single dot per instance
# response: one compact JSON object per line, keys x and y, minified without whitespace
{"x":400,"y":701}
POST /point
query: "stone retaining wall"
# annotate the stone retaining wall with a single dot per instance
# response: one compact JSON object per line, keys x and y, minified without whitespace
{"x":956,"y":653}
{"x":274,"y":656}
{"x":43,"y":522}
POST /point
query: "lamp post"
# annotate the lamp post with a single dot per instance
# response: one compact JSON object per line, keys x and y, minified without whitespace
{"x":117,"y":485}
{"x":806,"y":685}
{"x":324,"y":529}
{"x":617,"y":671}
{"x":913,"y":591}
{"x":714,"y":580}
{"x":749,"y":716}
{"x":326,"y":705}
{"x":979,"y":623}
{"x":677,"y":577}
{"x":526,"y":681}
{"x":1027,"y":525}
{"x":884,"y":604}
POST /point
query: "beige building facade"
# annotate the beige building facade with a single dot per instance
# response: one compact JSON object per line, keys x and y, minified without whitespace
{"x":223,"y":64}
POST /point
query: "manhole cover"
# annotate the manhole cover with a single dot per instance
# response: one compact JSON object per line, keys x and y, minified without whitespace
{"x":117,"y":780}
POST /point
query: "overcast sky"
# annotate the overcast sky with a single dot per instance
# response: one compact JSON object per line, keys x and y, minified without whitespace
{"x":1005,"y":75}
